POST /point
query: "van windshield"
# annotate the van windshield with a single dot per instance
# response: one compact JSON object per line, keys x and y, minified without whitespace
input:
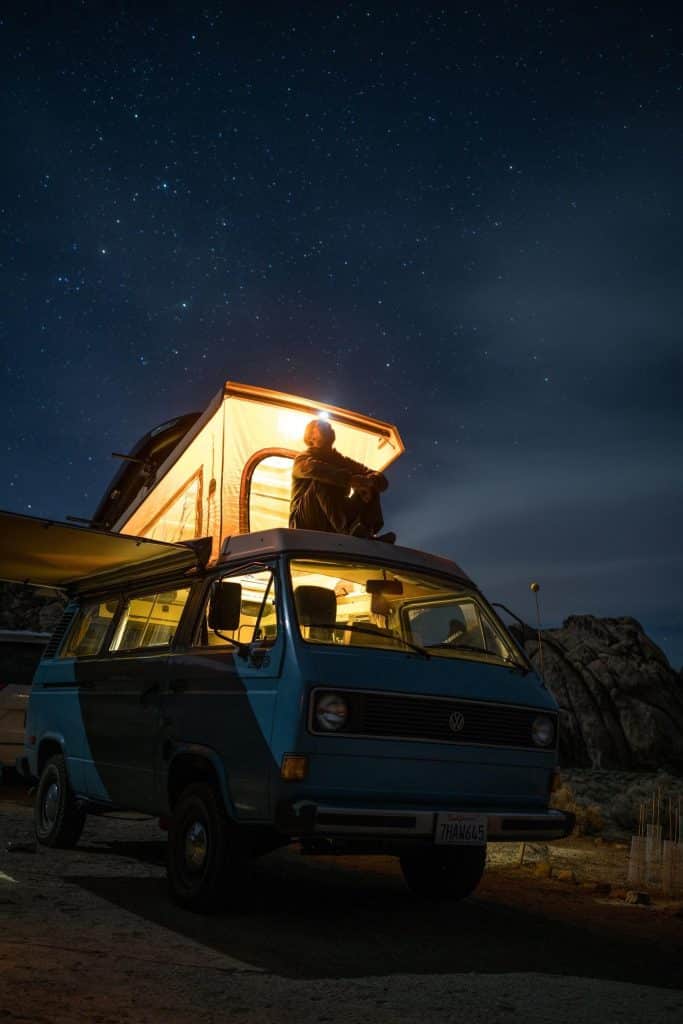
{"x":371,"y":605}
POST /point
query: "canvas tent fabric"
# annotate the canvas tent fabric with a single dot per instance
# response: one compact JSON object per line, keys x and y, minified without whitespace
{"x":43,"y":553}
{"x":231,"y":473}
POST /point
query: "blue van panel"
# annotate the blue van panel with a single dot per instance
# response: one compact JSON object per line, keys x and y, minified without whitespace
{"x":382,"y":780}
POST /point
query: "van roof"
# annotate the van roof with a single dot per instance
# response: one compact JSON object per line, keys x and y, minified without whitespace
{"x":246,"y":546}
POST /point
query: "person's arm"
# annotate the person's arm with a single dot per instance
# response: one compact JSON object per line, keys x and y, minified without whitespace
{"x":307,"y":467}
{"x":377,"y":481}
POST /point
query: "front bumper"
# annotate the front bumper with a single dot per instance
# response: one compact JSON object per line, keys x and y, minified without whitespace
{"x":304,"y":818}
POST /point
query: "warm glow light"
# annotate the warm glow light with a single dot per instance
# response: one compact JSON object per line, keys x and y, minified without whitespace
{"x":322,"y":415}
{"x":291,"y":425}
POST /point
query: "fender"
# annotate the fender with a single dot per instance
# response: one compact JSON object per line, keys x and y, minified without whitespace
{"x":207,"y":754}
{"x":33,"y":752}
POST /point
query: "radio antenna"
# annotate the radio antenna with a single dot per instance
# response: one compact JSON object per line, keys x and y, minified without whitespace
{"x":534,"y":588}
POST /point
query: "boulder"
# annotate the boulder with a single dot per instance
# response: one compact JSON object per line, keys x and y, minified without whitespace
{"x":621,"y":702}
{"x":24,"y":607}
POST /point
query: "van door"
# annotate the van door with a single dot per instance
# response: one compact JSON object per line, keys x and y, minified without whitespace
{"x":223,"y":688}
{"x":121,"y":704}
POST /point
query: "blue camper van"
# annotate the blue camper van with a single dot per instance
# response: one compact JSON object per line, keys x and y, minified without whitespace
{"x":348,"y":695}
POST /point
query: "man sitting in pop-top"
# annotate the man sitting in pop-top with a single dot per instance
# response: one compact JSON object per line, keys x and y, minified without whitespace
{"x":321,"y":481}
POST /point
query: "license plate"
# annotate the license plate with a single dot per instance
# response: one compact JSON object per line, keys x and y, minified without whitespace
{"x":460,"y":829}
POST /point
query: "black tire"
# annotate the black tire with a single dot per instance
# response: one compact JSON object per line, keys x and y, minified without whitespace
{"x":444,"y":872}
{"x":205,"y":863}
{"x":58,"y":819}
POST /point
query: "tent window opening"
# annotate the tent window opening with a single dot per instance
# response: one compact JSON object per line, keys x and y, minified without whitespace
{"x":269,"y":493}
{"x":179,"y":520}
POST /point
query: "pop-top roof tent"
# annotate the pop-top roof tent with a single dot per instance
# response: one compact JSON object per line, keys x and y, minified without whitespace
{"x":231,"y":472}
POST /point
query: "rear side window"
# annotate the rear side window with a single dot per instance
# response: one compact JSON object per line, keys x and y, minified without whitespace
{"x":89,"y":629}
{"x":18,"y":662}
{"x":149,"y":620}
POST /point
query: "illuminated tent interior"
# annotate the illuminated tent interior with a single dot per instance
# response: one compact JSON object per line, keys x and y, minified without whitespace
{"x":231,"y":473}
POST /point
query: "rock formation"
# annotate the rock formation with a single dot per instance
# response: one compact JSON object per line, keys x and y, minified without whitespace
{"x":26,"y":608}
{"x":622,"y":703}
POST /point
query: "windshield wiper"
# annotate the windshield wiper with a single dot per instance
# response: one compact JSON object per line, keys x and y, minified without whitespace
{"x":352,"y":627}
{"x":479,"y":650}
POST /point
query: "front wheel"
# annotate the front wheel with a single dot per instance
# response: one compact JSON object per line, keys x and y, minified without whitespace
{"x":444,"y":872}
{"x":58,"y":818}
{"x":205,"y":864}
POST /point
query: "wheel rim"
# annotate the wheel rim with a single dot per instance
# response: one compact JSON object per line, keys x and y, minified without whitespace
{"x":50,"y":804}
{"x":196,"y":847}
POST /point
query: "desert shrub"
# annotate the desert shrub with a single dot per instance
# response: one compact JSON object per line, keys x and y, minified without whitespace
{"x":589,"y":818}
{"x":624,"y":807}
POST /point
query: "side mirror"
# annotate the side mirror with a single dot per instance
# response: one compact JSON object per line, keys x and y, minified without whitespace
{"x":225,"y":606}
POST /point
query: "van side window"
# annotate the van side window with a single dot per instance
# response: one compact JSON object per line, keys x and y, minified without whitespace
{"x":149,"y":620}
{"x":89,"y":629}
{"x":257,"y":612}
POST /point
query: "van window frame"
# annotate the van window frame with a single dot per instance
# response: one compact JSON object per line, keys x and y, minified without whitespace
{"x":469,"y":589}
{"x":224,"y":572}
{"x":126,"y":596}
{"x":89,"y":599}
{"x":484,"y":618}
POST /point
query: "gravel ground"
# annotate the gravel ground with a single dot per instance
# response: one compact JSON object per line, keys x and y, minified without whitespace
{"x":89,"y":935}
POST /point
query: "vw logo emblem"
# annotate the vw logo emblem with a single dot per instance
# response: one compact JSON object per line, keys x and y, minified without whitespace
{"x":456,"y":722}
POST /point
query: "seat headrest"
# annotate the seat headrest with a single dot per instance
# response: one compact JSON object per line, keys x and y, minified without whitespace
{"x":315,"y":606}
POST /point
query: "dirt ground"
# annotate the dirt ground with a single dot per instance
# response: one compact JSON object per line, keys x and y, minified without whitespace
{"x":89,"y":935}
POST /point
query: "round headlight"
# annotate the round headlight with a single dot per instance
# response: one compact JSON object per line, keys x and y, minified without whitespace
{"x":331,"y":712}
{"x":543,"y":731}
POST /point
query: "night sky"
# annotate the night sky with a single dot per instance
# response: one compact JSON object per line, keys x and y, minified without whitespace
{"x":466,"y":221}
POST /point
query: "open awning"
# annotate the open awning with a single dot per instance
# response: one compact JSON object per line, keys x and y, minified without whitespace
{"x":44,"y":553}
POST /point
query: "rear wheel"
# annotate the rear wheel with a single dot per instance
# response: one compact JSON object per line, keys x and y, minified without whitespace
{"x":444,"y":872}
{"x":58,"y":818}
{"x":205,"y":862}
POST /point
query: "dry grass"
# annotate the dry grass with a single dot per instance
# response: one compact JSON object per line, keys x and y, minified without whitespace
{"x":609,"y":802}
{"x":589,"y":819}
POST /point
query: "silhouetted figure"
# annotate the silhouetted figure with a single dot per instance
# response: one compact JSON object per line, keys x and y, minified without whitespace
{"x":321,"y":481}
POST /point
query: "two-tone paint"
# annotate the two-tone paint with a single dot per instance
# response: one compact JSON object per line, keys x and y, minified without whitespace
{"x":134,"y":727}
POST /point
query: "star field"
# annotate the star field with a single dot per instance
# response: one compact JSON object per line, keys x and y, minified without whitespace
{"x":466,"y":221}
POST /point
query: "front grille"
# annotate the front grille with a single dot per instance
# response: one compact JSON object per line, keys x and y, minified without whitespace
{"x":441,"y":719}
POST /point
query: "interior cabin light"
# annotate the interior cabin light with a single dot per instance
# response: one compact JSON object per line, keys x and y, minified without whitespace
{"x":294,"y":768}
